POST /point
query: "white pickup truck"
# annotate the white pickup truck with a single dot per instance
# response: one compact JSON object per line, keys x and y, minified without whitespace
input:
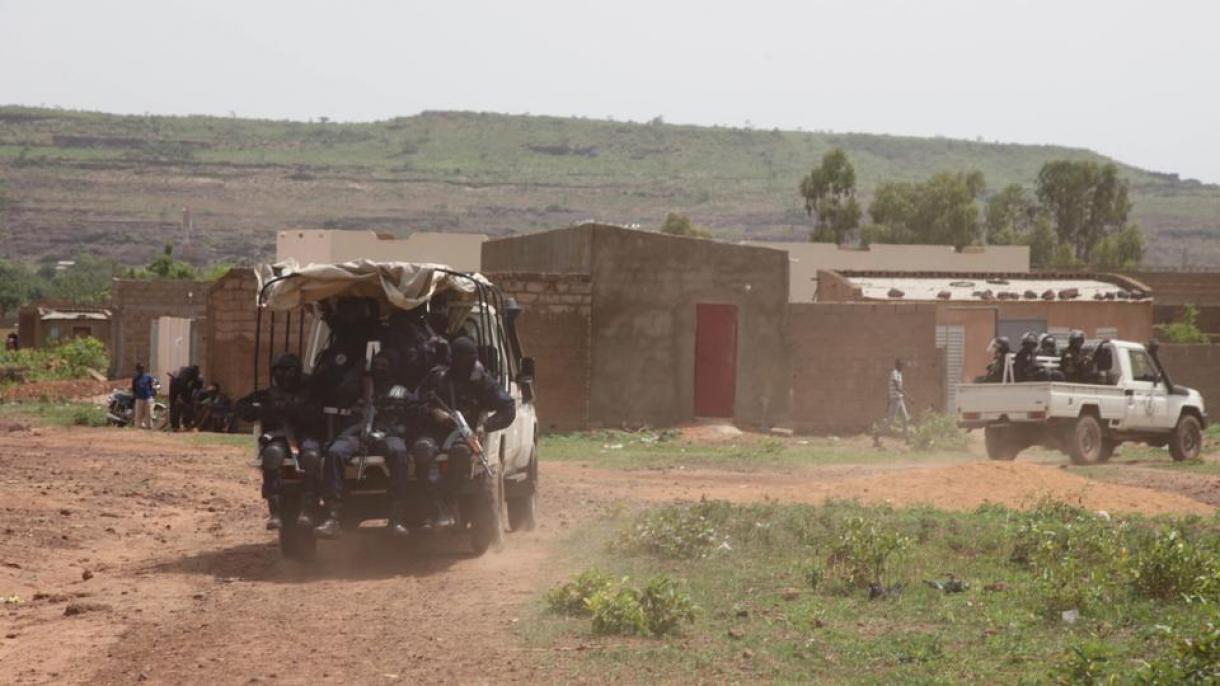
{"x":1139,"y":403}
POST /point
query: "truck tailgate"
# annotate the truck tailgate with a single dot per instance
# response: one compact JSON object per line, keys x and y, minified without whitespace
{"x":990,"y":401}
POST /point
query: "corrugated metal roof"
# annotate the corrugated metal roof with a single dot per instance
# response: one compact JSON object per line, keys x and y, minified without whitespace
{"x":972,"y":288}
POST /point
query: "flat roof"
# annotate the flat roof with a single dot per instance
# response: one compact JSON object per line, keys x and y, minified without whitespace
{"x":985,"y":287}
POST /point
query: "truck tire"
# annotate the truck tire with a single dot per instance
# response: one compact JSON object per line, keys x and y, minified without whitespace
{"x":1085,"y":440}
{"x":486,"y":529}
{"x":296,"y":542}
{"x":1000,"y":442}
{"x":1187,"y":439}
{"x":522,"y":509}
{"x":1108,"y":446}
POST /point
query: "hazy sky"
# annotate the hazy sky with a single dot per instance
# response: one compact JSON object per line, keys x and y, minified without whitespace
{"x":1139,"y":81}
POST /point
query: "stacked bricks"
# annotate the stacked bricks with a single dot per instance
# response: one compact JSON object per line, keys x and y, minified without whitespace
{"x":233,"y":316}
{"x":841,"y":358}
{"x":555,"y":330}
{"x":137,"y":302}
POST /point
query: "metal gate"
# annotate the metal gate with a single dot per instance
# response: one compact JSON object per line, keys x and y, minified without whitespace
{"x":952,"y":340}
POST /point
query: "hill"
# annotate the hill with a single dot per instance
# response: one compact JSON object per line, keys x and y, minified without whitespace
{"x":116,"y":185}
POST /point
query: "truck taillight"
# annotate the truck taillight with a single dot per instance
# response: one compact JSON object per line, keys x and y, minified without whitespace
{"x":970,"y":415}
{"x":1035,"y":415}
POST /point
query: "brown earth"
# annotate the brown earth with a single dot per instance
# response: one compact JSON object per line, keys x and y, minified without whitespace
{"x":57,"y":391}
{"x":141,"y":557}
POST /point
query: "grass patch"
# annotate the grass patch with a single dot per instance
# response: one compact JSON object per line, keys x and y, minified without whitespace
{"x":667,"y":449}
{"x":844,"y":593}
{"x":72,"y":413}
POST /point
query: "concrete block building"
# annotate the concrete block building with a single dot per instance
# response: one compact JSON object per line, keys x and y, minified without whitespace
{"x":654,"y":329}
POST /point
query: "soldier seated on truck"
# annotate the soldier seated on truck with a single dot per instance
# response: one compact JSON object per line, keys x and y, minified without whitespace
{"x":1025,"y":365}
{"x":338,"y":380}
{"x":1074,"y":363}
{"x":466,"y":387}
{"x":419,"y":348}
{"x":288,"y":413}
{"x":383,"y":430}
{"x":999,"y":349}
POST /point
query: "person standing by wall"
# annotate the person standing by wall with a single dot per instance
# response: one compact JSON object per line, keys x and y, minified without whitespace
{"x":143,"y":391}
{"x":898,"y":403}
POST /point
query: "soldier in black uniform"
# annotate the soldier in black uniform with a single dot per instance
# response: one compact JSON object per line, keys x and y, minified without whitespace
{"x":1025,"y":365}
{"x":464,"y":386}
{"x":1074,"y":363}
{"x":419,"y":347}
{"x":394,"y":411}
{"x":183,"y":387}
{"x":288,"y":412}
{"x":999,"y":348}
{"x":339,"y":384}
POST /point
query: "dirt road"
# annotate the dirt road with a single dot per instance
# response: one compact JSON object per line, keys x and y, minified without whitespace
{"x":138,"y":557}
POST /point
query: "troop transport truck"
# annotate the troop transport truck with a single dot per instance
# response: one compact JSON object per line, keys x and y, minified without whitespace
{"x":1133,"y":400}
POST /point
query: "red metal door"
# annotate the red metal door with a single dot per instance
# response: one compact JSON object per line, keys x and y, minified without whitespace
{"x":715,"y":360}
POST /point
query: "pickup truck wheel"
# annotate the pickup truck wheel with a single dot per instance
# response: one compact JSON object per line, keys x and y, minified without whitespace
{"x":486,"y":529}
{"x":522,"y":508}
{"x":1187,"y":439}
{"x":1001,"y":443}
{"x":1085,"y":440}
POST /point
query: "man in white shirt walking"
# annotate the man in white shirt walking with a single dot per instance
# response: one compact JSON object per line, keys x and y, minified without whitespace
{"x":898,"y":404}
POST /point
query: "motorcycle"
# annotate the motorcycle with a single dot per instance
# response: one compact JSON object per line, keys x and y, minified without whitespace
{"x":121,"y":409}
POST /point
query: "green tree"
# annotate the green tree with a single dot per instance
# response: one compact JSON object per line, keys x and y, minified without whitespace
{"x":942,"y":210}
{"x":830,"y":193}
{"x":18,"y":286}
{"x":681,"y":225}
{"x":1186,"y":330}
{"x":166,"y":267}
{"x":87,"y":281}
{"x":1086,"y":201}
{"x":1010,"y":217}
{"x":1042,"y":244}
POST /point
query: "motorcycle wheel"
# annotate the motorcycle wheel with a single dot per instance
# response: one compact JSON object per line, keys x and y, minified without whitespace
{"x":296,"y":542}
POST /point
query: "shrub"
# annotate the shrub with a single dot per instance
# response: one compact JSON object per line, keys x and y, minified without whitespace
{"x":679,"y":531}
{"x":1187,"y":330}
{"x":1088,"y":663}
{"x":68,"y":360}
{"x":658,"y":609}
{"x":863,"y":553}
{"x":1169,"y":566}
{"x":937,"y":431}
{"x":88,"y":416}
{"x":666,"y":606}
{"x":617,"y":611}
{"x":1194,"y":656}
{"x":572,"y":597}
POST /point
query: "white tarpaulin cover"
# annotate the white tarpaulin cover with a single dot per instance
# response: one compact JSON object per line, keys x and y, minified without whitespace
{"x":404,"y":285}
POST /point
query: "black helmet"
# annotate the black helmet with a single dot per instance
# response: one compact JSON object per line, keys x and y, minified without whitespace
{"x":1000,"y":345}
{"x":287,"y":361}
{"x":1075,"y":338}
{"x":1029,"y":340}
{"x":286,"y":371}
{"x":1048,"y":345}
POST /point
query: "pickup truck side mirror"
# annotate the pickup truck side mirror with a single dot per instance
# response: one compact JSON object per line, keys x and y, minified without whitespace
{"x":527,"y":374}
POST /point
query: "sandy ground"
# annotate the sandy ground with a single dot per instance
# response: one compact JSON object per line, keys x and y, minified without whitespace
{"x":141,"y":558}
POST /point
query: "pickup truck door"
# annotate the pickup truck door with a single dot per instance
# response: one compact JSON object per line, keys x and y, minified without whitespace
{"x":1147,"y":397}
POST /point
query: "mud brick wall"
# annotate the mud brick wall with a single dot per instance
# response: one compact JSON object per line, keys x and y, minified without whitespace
{"x":1196,"y":366}
{"x":555,"y":330}
{"x":137,"y":302}
{"x":841,"y":356}
{"x":232,"y":316}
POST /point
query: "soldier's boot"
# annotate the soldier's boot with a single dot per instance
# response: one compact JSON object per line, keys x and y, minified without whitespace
{"x":273,"y":519}
{"x":397,"y":524}
{"x":331,"y":527}
{"x":303,"y":519}
{"x":444,"y":514}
